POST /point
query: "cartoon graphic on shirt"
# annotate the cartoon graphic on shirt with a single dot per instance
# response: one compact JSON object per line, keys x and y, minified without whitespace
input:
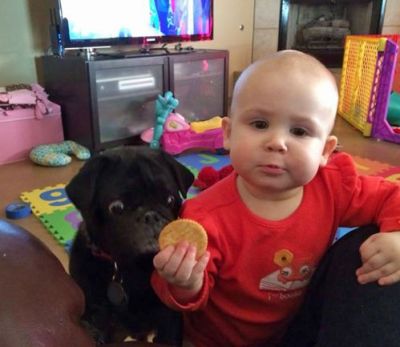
{"x":293,"y":273}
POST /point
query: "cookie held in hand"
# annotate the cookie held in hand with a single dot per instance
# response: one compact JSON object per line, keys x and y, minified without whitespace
{"x":184,"y":230}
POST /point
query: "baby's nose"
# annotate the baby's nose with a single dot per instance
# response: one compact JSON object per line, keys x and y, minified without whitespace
{"x":276,"y":142}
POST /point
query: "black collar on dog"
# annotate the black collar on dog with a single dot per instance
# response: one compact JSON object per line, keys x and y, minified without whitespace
{"x":99,"y":253}
{"x":94,"y":249}
{"x":116,"y":293}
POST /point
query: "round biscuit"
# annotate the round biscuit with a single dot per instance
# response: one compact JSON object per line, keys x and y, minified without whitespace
{"x":184,"y":230}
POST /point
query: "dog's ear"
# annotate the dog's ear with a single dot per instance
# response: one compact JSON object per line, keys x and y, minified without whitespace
{"x":184,"y":178}
{"x":81,"y":188}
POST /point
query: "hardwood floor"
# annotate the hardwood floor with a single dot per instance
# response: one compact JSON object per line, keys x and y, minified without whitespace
{"x":25,"y":176}
{"x":353,"y":142}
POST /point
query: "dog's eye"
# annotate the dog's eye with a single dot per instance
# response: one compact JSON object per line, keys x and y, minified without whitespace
{"x":171,"y":200}
{"x":116,"y":207}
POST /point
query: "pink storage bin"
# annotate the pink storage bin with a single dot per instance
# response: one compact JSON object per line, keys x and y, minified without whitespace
{"x":20,"y":131}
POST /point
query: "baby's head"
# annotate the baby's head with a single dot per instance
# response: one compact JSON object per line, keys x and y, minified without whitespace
{"x":283,"y":110}
{"x":289,"y":74}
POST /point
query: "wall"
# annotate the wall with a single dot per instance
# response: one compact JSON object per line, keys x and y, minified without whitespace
{"x":391,"y":24}
{"x":229,"y":16}
{"x":266,"y":27}
{"x":24,"y":36}
{"x":16,"y":56}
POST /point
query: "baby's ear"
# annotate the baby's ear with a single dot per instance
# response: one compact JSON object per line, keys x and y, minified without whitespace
{"x":330,"y":146}
{"x":226,"y":127}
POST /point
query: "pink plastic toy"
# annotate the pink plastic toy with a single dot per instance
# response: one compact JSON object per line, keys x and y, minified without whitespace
{"x":178,"y":135}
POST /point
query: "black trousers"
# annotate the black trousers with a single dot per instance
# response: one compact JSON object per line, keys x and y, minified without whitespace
{"x":339,"y":312}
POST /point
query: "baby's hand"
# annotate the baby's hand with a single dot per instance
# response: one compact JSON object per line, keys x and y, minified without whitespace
{"x":380,"y":255}
{"x":179,"y":267}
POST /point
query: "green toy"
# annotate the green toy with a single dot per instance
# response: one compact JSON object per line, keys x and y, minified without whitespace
{"x":393,"y":115}
{"x":58,"y":154}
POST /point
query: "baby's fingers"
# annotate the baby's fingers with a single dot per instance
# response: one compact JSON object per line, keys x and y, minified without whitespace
{"x":191,"y":271}
{"x":185,"y":270}
{"x":174,"y":262}
{"x":162,"y":257}
{"x":390,"y":279}
{"x":201,"y":265}
{"x":373,"y":263}
{"x":377,"y":274}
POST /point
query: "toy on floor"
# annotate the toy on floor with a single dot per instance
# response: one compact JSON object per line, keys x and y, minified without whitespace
{"x":393,"y":115}
{"x":178,"y":135}
{"x":58,"y":154}
{"x":174,"y":134}
{"x":164,"y":106}
{"x":18,"y":210}
{"x":208,"y":176}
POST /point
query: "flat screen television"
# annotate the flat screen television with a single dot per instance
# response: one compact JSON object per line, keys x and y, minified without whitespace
{"x":94,"y":23}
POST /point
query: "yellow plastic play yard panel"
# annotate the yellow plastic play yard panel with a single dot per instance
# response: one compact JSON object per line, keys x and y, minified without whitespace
{"x":359,"y":81}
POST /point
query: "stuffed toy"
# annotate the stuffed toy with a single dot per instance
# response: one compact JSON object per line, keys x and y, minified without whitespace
{"x":58,"y":154}
{"x":208,"y":176}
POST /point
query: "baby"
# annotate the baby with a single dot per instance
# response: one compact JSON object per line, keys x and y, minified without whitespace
{"x":270,"y":221}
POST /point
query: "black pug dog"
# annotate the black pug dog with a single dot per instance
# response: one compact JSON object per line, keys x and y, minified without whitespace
{"x":125,"y":197}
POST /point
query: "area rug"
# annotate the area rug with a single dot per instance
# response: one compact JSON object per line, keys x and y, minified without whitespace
{"x":59,"y":216}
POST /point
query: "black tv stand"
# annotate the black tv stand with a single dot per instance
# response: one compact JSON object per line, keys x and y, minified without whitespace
{"x":108,"y":101}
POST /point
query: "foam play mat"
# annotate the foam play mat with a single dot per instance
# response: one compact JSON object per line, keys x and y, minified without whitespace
{"x":59,"y":216}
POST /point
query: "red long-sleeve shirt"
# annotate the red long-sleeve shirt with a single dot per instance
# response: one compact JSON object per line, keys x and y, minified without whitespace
{"x":259,"y":269}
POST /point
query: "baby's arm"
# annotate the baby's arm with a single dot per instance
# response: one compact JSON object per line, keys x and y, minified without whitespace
{"x":179,"y":267}
{"x":380,"y":255}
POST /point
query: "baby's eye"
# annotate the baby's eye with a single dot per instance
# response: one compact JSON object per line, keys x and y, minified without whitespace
{"x":300,"y":132}
{"x":259,"y":124}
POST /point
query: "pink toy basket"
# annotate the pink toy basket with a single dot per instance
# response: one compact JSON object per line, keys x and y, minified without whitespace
{"x":25,"y":125}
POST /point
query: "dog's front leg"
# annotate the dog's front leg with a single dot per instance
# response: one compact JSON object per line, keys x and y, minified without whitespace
{"x":93,"y":274}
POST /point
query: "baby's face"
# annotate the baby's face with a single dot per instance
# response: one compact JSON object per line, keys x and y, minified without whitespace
{"x":278,"y":133}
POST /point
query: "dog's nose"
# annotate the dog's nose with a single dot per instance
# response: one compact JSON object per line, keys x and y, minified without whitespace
{"x":151,"y":217}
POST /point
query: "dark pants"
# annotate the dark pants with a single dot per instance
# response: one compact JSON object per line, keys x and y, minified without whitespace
{"x":339,"y":312}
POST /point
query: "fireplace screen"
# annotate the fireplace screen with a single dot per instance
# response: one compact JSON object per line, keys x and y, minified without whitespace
{"x":319,"y":27}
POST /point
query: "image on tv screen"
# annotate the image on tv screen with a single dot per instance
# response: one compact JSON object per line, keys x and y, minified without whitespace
{"x":102,"y":19}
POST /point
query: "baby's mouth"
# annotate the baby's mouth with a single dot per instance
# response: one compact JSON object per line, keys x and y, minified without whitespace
{"x":272,"y":169}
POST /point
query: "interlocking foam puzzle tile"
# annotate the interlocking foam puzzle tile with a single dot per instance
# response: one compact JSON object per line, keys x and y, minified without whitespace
{"x":391,"y":174}
{"x":370,"y":167}
{"x":47,"y":200}
{"x":53,"y":208}
{"x":62,"y":224}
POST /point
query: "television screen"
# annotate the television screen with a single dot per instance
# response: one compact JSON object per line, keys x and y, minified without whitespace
{"x":88,"y":23}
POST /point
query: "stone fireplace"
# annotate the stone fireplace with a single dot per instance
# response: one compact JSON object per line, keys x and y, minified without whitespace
{"x":319,"y":27}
